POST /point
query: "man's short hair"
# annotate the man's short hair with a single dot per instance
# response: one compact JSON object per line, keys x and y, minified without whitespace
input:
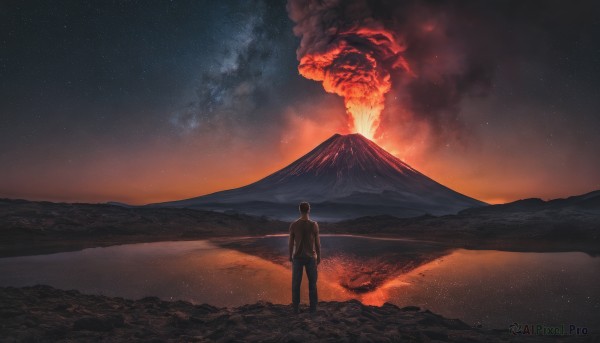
{"x":304,"y":207}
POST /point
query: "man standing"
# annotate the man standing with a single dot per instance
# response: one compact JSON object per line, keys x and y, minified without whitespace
{"x":305,"y":252}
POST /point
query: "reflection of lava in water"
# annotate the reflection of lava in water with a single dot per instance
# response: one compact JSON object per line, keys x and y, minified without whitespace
{"x":363,"y":276}
{"x":359,"y":267}
{"x":355,"y":276}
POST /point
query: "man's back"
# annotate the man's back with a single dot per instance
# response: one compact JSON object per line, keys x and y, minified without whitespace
{"x":305,"y":253}
{"x":304,"y":233}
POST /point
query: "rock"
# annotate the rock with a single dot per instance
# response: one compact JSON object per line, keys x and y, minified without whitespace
{"x":370,"y":316}
{"x":236,"y":319}
{"x":100,"y":323}
{"x":179,"y":319}
{"x":364,"y":338}
{"x":455,"y":324}
{"x":57,"y":332}
{"x":155,"y":340}
{"x":436,"y":334}
{"x":352,"y":309}
{"x":411,"y":308}
{"x":99,"y":318}
{"x":151,"y":300}
{"x":61,"y":307}
{"x":297,"y":335}
{"x":389,"y":305}
{"x":205,"y":308}
{"x":427,"y":321}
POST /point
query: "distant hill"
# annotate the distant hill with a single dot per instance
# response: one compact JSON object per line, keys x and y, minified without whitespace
{"x":589,"y":201}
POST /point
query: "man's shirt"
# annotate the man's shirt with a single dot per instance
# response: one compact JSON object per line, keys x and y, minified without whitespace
{"x":305,"y":234}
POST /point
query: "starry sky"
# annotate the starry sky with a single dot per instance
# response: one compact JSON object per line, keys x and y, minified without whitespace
{"x":148,"y":101}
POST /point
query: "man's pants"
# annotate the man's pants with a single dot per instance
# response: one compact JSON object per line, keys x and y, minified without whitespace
{"x":298,"y":265}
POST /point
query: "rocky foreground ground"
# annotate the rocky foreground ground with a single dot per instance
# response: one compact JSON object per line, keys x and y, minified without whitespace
{"x":45,"y":314}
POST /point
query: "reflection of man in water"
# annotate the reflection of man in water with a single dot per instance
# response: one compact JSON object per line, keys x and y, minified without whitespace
{"x":305,"y":251}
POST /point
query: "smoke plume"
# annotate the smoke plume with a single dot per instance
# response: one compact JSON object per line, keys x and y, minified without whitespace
{"x":361,"y":50}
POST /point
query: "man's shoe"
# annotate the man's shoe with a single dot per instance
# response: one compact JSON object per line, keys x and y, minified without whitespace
{"x":313,"y":310}
{"x":296,"y":310}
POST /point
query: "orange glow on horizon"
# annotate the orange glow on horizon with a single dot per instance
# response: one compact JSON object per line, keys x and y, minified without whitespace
{"x":166,"y":170}
{"x":138,"y":181}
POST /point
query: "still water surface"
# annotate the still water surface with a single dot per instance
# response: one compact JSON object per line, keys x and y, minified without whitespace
{"x":494,"y":288}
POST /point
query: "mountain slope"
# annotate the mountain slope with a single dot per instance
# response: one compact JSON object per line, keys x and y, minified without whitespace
{"x":345,"y":176}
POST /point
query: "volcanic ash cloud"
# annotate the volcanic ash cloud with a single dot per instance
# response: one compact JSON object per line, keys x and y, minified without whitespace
{"x":426,"y":56}
{"x":352,"y":58}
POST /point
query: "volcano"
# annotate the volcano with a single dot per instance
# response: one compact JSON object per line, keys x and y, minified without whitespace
{"x":346,"y":176}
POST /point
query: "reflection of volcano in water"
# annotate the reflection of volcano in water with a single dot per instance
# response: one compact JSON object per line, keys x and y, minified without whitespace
{"x":358,"y":264}
{"x":346,"y":176}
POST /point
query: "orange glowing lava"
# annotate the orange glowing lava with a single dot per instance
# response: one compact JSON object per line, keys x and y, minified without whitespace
{"x":356,"y":65}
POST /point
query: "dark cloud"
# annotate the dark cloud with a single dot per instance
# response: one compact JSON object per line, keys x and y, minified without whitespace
{"x":455,"y":48}
{"x":423,"y":46}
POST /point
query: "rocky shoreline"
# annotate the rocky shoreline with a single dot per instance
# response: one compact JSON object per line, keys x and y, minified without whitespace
{"x":45,"y":314}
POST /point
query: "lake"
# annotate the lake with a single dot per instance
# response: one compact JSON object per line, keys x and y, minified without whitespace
{"x":493,"y":288}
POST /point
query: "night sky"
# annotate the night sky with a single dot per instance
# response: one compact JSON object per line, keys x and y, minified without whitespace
{"x":147,"y":101}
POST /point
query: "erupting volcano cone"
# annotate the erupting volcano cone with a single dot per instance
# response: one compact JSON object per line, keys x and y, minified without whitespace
{"x":346,"y":176}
